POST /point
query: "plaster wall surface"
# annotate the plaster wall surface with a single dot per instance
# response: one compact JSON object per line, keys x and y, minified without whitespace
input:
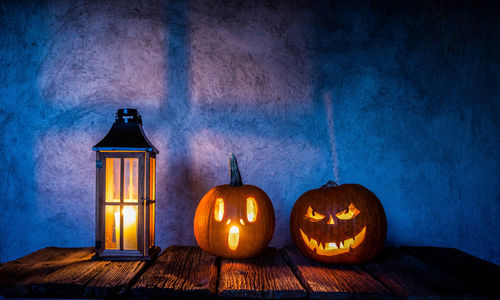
{"x":402,"y":97}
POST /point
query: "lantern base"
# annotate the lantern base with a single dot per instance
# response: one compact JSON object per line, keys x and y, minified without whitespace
{"x":130,"y":256}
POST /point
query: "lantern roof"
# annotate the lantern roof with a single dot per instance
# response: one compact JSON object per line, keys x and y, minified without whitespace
{"x":126,"y":134}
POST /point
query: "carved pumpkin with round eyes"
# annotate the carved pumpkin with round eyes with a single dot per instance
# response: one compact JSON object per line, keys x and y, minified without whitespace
{"x":338,"y":224}
{"x":234,"y":220}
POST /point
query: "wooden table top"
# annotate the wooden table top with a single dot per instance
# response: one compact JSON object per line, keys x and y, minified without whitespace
{"x":188,"y":272}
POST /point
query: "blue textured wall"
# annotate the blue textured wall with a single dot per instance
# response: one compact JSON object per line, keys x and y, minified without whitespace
{"x":402,"y":97}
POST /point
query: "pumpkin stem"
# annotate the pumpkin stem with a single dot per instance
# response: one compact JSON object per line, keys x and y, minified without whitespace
{"x":330,"y":183}
{"x":234,"y":172}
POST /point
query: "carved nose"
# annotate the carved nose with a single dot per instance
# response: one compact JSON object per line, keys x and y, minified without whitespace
{"x":330,"y":221}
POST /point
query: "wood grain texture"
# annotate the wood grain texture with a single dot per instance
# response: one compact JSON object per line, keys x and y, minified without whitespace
{"x":407,"y":276}
{"x":265,"y":276}
{"x":66,"y":272}
{"x":68,"y":281}
{"x":179,"y":272}
{"x":87,"y":278}
{"x":114,"y":278}
{"x":481,"y":276}
{"x":188,"y":272}
{"x":18,"y":276}
{"x":333,"y":280}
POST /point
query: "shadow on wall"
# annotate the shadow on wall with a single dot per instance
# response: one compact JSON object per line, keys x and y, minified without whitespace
{"x":415,"y":91}
{"x":85,"y":73}
{"x":399,"y":97}
{"x":180,"y":185}
{"x":238,"y":81}
{"x":163,"y":59}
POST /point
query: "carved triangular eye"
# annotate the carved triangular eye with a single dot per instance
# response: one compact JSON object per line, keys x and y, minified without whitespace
{"x":352,"y":213}
{"x":313,"y":216}
{"x":219,"y":209}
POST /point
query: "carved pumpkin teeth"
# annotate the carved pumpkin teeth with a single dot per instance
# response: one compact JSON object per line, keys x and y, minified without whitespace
{"x":359,"y":238}
{"x":348,"y":243}
{"x":331,"y":248}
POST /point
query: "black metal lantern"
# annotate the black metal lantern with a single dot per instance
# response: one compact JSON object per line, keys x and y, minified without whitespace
{"x":125,"y":191}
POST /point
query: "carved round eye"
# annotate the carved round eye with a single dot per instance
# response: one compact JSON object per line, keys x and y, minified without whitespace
{"x":219,"y":209}
{"x":313,"y":216}
{"x":252,"y":209}
{"x":352,"y":213}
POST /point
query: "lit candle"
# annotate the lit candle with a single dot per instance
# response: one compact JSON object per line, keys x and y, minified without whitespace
{"x":129,"y":228}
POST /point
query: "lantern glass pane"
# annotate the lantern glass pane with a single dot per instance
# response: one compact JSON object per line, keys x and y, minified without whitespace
{"x":130,"y":227}
{"x":152,"y":225}
{"x":131,"y":180}
{"x":152,"y":181}
{"x":152,"y":178}
{"x":112,"y":180}
{"x":112,"y":227}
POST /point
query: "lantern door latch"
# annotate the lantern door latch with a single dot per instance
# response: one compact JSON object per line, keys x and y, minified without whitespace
{"x":147,"y":201}
{"x":98,"y":164}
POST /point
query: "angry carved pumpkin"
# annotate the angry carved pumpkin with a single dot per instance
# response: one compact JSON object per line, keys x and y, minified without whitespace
{"x":234,"y":220}
{"x":338,"y":224}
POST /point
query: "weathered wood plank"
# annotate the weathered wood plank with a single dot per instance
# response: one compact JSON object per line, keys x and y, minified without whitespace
{"x":114,"y":278}
{"x":266,"y":276}
{"x":483,"y":277}
{"x":333,"y":281}
{"x":179,"y":272}
{"x":408,"y":276}
{"x":188,"y":272}
{"x":68,"y":281}
{"x":66,"y":272}
{"x":16,"y":276}
{"x":87,"y":278}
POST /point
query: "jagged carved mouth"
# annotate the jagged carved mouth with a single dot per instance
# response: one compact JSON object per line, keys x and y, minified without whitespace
{"x":330,"y":248}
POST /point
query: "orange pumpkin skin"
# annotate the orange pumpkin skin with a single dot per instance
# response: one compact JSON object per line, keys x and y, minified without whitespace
{"x":353,"y":229}
{"x":255,"y":232}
